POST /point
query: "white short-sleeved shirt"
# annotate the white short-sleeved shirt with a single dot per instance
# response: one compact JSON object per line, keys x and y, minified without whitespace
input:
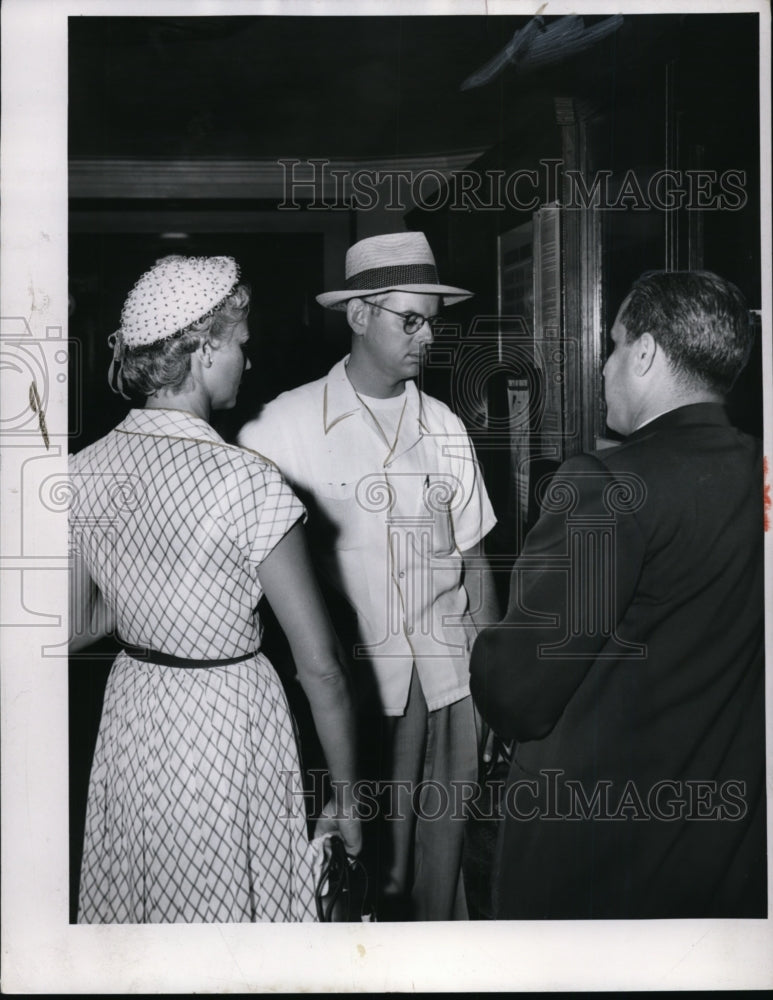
{"x":389,"y":525}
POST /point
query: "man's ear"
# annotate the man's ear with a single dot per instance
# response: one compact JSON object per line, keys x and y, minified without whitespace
{"x":357,"y":314}
{"x":645,"y":349}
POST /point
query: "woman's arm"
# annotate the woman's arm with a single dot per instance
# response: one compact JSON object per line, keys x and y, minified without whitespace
{"x":288,"y":580}
{"x":91,"y":618}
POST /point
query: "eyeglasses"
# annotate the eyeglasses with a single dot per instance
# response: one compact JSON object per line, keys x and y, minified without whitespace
{"x":412,"y":321}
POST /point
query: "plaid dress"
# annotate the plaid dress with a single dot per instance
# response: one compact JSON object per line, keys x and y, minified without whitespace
{"x":195,"y":812}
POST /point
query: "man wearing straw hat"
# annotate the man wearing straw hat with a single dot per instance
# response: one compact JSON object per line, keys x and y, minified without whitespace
{"x":397,"y":513}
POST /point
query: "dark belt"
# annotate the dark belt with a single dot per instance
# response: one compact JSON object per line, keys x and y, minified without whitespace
{"x":165,"y":660}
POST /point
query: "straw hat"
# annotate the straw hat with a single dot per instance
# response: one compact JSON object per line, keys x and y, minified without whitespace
{"x":390,"y":263}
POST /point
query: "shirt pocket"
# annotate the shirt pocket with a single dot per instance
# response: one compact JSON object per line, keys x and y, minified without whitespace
{"x":336,"y":514}
{"x":439,"y":498}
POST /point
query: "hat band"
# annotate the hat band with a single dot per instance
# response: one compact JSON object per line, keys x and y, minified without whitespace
{"x":396,"y":274}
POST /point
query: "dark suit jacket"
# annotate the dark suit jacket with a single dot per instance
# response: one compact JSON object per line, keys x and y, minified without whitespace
{"x":629,"y":669}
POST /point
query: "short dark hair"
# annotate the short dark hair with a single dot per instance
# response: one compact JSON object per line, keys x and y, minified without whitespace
{"x":166,"y":364}
{"x":699,"y":320}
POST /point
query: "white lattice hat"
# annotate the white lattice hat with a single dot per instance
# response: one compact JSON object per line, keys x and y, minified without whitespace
{"x":174,"y":294}
{"x":394,"y":262}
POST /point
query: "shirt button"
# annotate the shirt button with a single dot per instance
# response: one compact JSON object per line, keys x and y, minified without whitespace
{"x":401,"y":574}
{"x":409,"y":630}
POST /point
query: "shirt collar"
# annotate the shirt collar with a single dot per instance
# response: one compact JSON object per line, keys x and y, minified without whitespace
{"x":339,"y":401}
{"x":169,"y":423}
{"x":649,"y":420}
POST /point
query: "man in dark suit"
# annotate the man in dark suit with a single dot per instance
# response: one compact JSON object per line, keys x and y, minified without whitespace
{"x":629,"y":667}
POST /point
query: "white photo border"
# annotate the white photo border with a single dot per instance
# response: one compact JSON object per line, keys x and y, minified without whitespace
{"x":41,"y":950}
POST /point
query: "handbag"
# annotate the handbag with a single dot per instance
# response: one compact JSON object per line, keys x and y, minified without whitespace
{"x":341,"y":893}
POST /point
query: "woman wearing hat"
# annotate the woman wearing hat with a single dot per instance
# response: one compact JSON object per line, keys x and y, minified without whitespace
{"x":195,"y":808}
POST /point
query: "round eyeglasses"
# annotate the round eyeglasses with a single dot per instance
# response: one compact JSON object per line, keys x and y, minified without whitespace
{"x":412,"y":321}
